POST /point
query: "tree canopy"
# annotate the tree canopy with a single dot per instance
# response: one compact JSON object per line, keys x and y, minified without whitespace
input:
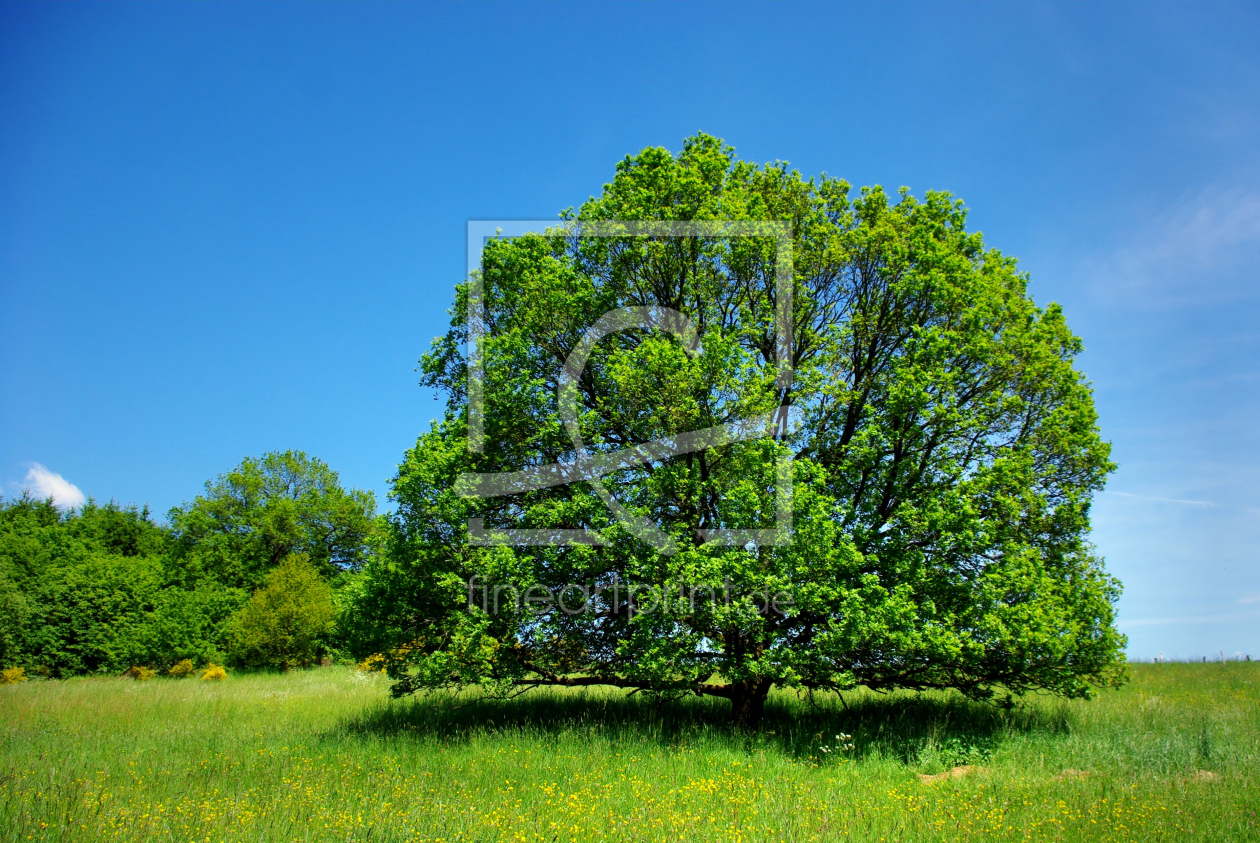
{"x":266,"y":508}
{"x":943,"y":458}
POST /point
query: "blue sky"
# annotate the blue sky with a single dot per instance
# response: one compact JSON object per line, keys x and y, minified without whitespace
{"x":227,"y":229}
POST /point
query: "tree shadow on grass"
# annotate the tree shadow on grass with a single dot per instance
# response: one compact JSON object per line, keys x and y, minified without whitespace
{"x":936,"y":730}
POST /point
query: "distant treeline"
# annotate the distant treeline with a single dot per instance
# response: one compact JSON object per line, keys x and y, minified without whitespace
{"x":252,"y":572}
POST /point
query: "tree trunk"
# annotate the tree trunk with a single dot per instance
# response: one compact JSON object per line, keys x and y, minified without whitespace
{"x":748,"y":702}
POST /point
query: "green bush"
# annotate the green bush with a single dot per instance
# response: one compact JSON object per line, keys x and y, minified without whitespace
{"x":286,"y":621}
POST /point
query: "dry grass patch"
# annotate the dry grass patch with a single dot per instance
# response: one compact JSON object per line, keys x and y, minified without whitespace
{"x":956,"y":773}
{"x":1068,"y":774}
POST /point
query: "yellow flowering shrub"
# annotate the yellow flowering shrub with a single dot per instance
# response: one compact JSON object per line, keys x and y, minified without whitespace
{"x":12,"y":675}
{"x":213,"y":671}
{"x":181,"y":669}
{"x":372,"y":664}
{"x":139,"y":672}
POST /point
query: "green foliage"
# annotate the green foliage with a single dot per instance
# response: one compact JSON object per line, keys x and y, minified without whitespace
{"x":944,"y":464}
{"x":285,"y":623}
{"x":191,"y":623}
{"x":92,"y":614}
{"x":265,"y":509}
{"x":14,"y":614}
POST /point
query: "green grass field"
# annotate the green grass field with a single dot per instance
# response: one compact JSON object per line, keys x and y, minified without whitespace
{"x":325,"y":755}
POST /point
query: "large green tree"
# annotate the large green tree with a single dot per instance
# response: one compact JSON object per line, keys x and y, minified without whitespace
{"x":943,"y":458}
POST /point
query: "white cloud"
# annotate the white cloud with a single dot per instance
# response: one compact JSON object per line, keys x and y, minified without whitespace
{"x":1251,"y":598}
{"x":42,"y":483}
{"x":1222,"y":617}
{"x":1159,"y":500}
{"x":1184,"y":502}
{"x":1207,"y":245}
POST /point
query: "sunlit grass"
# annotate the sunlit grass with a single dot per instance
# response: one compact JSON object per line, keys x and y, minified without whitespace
{"x":325,"y":755}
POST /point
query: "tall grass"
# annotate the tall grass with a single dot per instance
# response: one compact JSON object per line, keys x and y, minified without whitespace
{"x":325,"y":755}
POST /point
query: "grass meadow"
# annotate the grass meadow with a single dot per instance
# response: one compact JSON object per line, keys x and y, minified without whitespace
{"x":325,"y":755}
